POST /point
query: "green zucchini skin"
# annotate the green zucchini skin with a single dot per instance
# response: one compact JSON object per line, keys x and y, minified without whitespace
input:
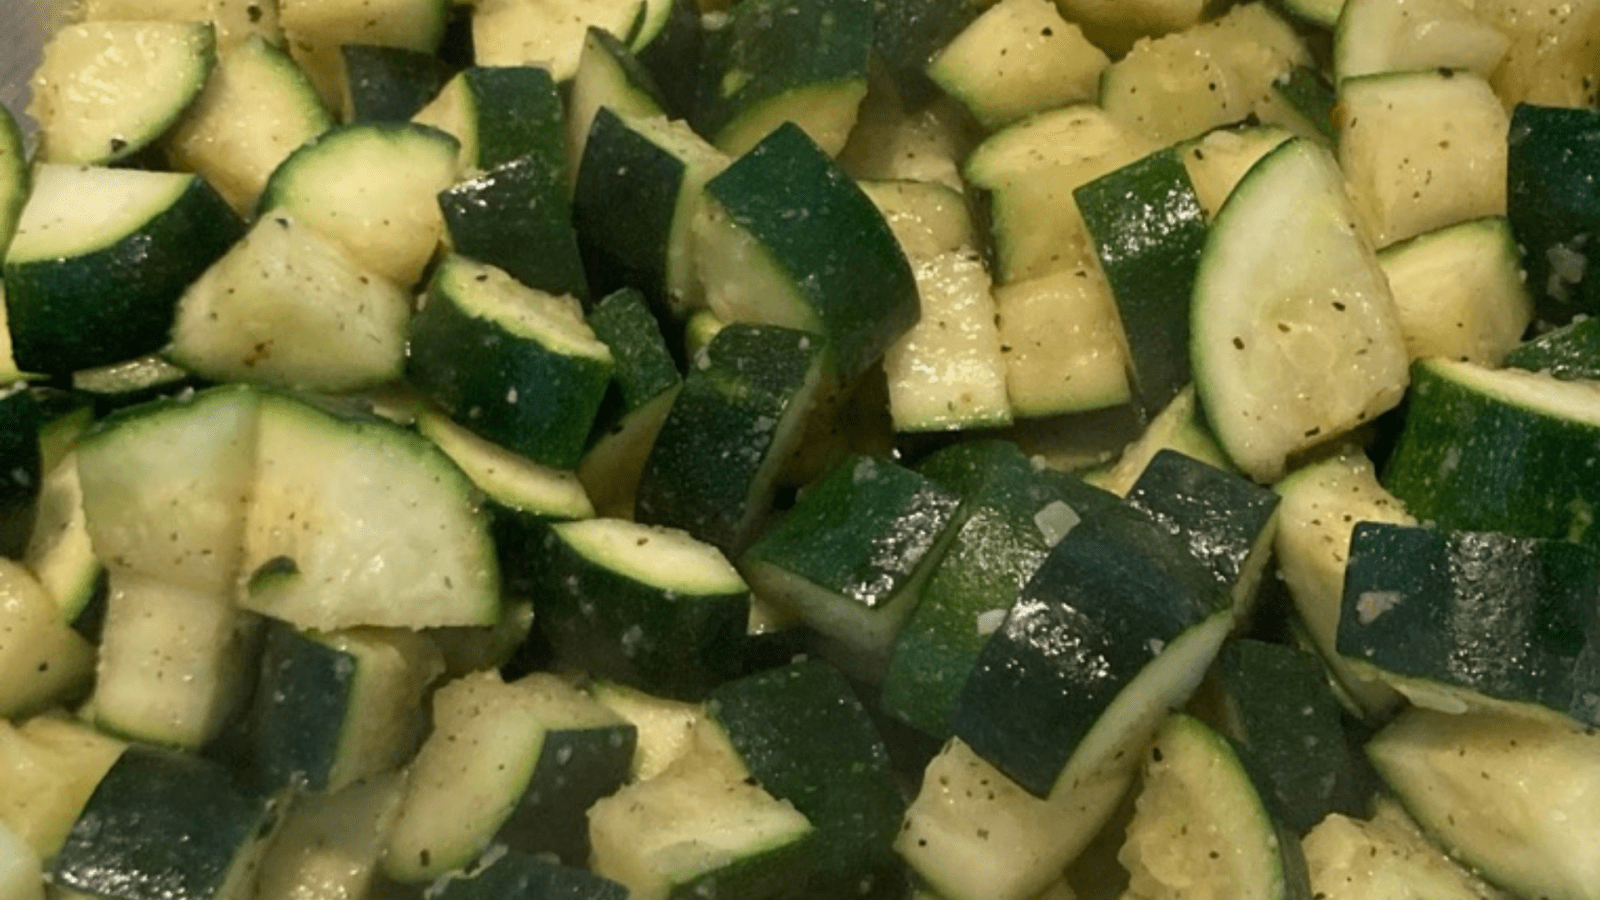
{"x":1508,"y":618}
{"x":516,"y":217}
{"x":828,"y":239}
{"x":907,"y":34}
{"x":22,"y":463}
{"x":524,"y":876}
{"x":997,"y":546}
{"x":164,"y":824}
{"x":1148,"y":230}
{"x":1554,"y":204}
{"x":389,"y":84}
{"x":1284,"y":724}
{"x":677,"y":643}
{"x":1471,"y":456}
{"x":116,"y":302}
{"x":1105,"y":602}
{"x":1571,"y":351}
{"x":645,"y":368}
{"x":807,"y":739}
{"x":754,"y":383}
{"x":514,"y":390}
{"x":1224,"y":518}
{"x":550,"y":816}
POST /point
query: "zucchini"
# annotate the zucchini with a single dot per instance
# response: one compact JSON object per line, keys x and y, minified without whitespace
{"x":49,"y":766}
{"x":1550,"y":205}
{"x":331,"y":842}
{"x":515,"y":217}
{"x":513,"y":874}
{"x":499,"y":114}
{"x":15,"y":179}
{"x":1569,"y":352}
{"x":1059,"y":334}
{"x":1288,"y":356}
{"x":106,"y":90}
{"x":21,"y":872}
{"x":289,"y":308}
{"x":547,"y":35}
{"x":90,"y":282}
{"x":43,"y":661}
{"x":1385,"y":857}
{"x":609,"y":76}
{"x":388,"y":84}
{"x":538,"y":376}
{"x":315,"y":31}
{"x":59,"y":552}
{"x":1504,"y":794}
{"x":1374,"y":36}
{"x":21,"y":458}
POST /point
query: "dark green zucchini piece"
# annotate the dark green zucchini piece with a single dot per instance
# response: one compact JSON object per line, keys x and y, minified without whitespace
{"x":773,"y":62}
{"x":851,"y":557}
{"x":649,"y":607}
{"x":537,"y":374}
{"x":22,"y":464}
{"x":740,"y":413}
{"x":643,"y":386}
{"x":1285,"y":725}
{"x":516,"y":217}
{"x":1119,"y":618}
{"x":1147,"y":228}
{"x":1011,"y":514}
{"x":502,"y":113}
{"x":1508,"y":450}
{"x":389,"y":84}
{"x":1450,"y":617}
{"x":907,"y":34}
{"x":523,"y":876}
{"x":806,"y":738}
{"x":334,"y":708}
{"x":163,"y":824}
{"x":1226,"y":520}
{"x":87,"y":286}
{"x":791,"y":240}
{"x":1307,"y":92}
{"x":1571,"y":351}
{"x":516,"y":763}
{"x":1553,"y":202}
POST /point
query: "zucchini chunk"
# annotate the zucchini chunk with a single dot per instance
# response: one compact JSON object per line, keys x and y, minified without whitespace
{"x":371,"y":187}
{"x":740,"y":413}
{"x":1322,"y":502}
{"x":1411,"y":166}
{"x":790,"y":240}
{"x":331,"y":842}
{"x":235,"y":21}
{"x":43,"y":662}
{"x":666,"y":727}
{"x":256,"y":108}
{"x":515,"y":486}
{"x":1374,"y":36}
{"x":948,"y":371}
{"x":1385,"y":857}
{"x":176,"y":663}
{"x":1147,"y":229}
{"x":315,"y":31}
{"x":608,"y":76}
{"x":167,"y":484}
{"x":775,"y":62}
{"x":21,"y":459}
{"x":537,"y":376}
{"x":389,"y":84}
{"x":499,"y":114}
{"x":106,"y":90}
{"x":1118,"y":623}
{"x":1284,"y":723}
{"x":167,"y":824}
{"x":290,"y":308}
{"x":637,"y":197}
{"x":1548,"y":63}
{"x":1226,"y":520}
{"x":1061,"y":341}
{"x":1457,"y":619}
{"x":49,"y":765}
{"x":515,"y":762}
{"x":1178,"y":427}
{"x":549,"y":33}
{"x":804,"y":737}
{"x":1011,"y":513}
{"x":1498,"y":450}
{"x":60,"y":553}
{"x":332,"y":709}
{"x":1295,"y":336}
{"x":516,"y":217}
{"x":1017,"y":58}
{"x":645,"y":383}
{"x":332,"y":538}
{"x":1569,"y":352}
{"x":700,"y":828}
{"x":647,"y":606}
{"x":1551,"y":204}
{"x":1507,"y":795}
{"x":99,"y":259}
{"x":851,"y":557}
{"x":1460,"y":291}
{"x":1200,"y":829}
{"x":1219,"y":159}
